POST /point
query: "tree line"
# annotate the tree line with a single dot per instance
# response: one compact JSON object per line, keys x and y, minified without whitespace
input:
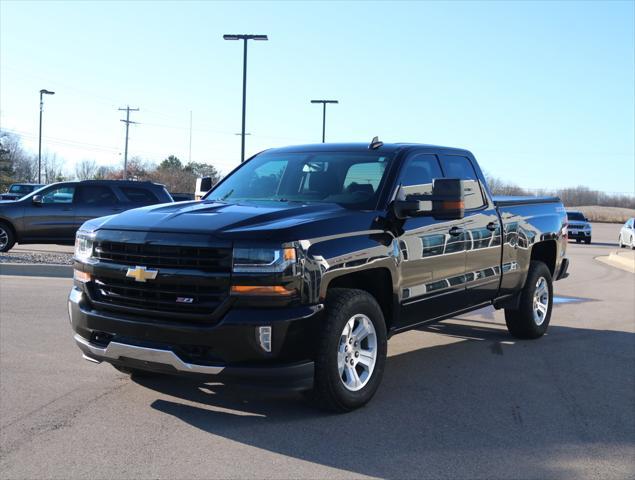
{"x":17,"y":165}
{"x":570,"y":196}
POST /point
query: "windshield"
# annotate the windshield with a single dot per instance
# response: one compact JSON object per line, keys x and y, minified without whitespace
{"x":576,"y":216}
{"x":350,"y":179}
{"x":22,"y":189}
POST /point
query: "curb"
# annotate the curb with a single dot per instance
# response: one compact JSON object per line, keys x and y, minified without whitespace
{"x":623,"y":262}
{"x":36,"y":270}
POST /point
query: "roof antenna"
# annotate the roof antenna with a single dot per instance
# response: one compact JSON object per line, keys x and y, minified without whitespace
{"x":375,"y":143}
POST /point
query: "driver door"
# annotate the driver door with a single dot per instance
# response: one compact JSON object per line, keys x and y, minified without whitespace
{"x":53,"y":218}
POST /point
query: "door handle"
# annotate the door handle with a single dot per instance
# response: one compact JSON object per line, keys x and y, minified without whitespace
{"x":492,"y":226}
{"x":456,"y":231}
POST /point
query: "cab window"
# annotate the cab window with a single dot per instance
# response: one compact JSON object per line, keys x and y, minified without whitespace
{"x":457,"y":166}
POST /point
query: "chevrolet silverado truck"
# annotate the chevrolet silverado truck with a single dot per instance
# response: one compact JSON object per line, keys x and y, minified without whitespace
{"x":297,"y":267}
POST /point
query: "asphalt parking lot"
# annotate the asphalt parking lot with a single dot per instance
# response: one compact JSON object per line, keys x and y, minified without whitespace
{"x":461,"y":399}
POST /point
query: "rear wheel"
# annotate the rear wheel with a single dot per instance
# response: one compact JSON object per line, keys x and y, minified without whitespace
{"x":351,"y":354}
{"x":532,"y":317}
{"x":577,"y":240}
{"x":7,"y":237}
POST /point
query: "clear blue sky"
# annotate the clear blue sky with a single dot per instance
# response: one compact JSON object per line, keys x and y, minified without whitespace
{"x":541,"y":92}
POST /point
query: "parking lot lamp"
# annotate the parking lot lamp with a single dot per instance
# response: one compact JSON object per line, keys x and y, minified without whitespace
{"x":39,"y":150}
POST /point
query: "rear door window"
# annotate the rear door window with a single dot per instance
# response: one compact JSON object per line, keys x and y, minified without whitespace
{"x":140,"y":196}
{"x":95,"y":195}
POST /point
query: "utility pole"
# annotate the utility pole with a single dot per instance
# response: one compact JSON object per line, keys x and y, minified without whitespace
{"x":127,"y":121}
{"x":324,"y":102}
{"x":190,"y":154}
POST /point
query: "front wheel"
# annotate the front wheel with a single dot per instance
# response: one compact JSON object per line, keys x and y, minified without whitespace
{"x":531,"y":318}
{"x":7,"y":238}
{"x":351,"y":354}
{"x":619,"y":241}
{"x":587,"y":241}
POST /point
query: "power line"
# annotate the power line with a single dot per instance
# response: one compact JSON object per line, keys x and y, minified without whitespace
{"x":127,"y":121}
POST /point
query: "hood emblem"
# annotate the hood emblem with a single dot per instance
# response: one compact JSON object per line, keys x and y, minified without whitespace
{"x":141,"y":274}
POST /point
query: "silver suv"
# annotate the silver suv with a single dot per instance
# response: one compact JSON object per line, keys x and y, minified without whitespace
{"x":579,"y":227}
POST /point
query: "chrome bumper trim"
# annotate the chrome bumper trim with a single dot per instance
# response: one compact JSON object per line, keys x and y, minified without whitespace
{"x":116,"y":350}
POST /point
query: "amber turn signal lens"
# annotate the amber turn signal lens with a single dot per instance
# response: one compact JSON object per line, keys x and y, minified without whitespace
{"x":456,"y":205}
{"x":289,"y":254}
{"x":82,"y":277}
{"x":261,"y":290}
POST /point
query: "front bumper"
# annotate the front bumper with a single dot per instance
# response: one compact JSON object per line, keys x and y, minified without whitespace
{"x":226,"y":351}
{"x":576,"y":234}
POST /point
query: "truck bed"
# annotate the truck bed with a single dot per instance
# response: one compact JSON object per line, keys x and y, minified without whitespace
{"x":505,"y":200}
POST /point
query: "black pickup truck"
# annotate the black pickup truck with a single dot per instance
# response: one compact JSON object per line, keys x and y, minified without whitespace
{"x":297,"y":267}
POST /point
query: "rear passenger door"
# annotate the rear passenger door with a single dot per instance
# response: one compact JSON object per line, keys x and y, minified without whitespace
{"x":482,"y":232}
{"x":136,"y":197}
{"x":92,"y":201}
{"x":433,"y":251}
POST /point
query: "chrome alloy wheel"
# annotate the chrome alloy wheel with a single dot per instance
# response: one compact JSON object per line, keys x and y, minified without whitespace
{"x":357,"y":352}
{"x":541,"y":301}
{"x":4,"y":238}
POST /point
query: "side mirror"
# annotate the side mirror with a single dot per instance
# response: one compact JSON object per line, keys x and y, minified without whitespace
{"x":37,"y":200}
{"x":445,"y":203}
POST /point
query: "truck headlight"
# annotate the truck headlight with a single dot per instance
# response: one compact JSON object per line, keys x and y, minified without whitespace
{"x":263,"y":260}
{"x":83,"y":246}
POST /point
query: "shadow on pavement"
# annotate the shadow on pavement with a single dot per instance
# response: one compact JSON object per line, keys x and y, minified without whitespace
{"x":483,"y":406}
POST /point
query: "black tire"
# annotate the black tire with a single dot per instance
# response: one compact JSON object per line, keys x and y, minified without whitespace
{"x":329,"y":391}
{"x":7,"y":237}
{"x":520,"y":322}
{"x":587,"y":241}
{"x":619,"y":241}
{"x":577,"y":240}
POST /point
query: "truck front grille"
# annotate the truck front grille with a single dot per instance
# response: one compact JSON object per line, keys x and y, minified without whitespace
{"x":168,"y":256}
{"x":191,"y":284}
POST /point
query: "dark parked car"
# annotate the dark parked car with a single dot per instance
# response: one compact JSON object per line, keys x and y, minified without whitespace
{"x":19,"y":190}
{"x":298,"y":266}
{"x":54,"y":213}
{"x":182,"y":197}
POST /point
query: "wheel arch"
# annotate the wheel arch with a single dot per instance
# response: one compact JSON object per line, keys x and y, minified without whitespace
{"x":546,"y":252}
{"x":378,"y":282}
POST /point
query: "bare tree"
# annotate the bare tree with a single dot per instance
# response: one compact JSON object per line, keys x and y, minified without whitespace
{"x":52,"y":168}
{"x":86,"y":170}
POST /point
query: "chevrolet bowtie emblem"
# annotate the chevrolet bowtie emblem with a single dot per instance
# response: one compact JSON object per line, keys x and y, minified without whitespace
{"x":141,"y":274}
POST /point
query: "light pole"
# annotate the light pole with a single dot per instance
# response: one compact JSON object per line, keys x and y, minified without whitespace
{"x":39,"y":150}
{"x":324,"y":102}
{"x":244,"y":38}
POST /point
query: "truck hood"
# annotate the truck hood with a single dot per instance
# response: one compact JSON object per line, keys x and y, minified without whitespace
{"x":271,"y":220}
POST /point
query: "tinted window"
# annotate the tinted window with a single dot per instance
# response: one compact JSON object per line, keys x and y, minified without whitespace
{"x":363,"y":177}
{"x":419,"y":170}
{"x":96,"y":195}
{"x":455,"y":166}
{"x":139,"y":195}
{"x":576,"y":216}
{"x":59,"y":195}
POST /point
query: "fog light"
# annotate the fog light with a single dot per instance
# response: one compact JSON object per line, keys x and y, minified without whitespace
{"x":263,"y":334}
